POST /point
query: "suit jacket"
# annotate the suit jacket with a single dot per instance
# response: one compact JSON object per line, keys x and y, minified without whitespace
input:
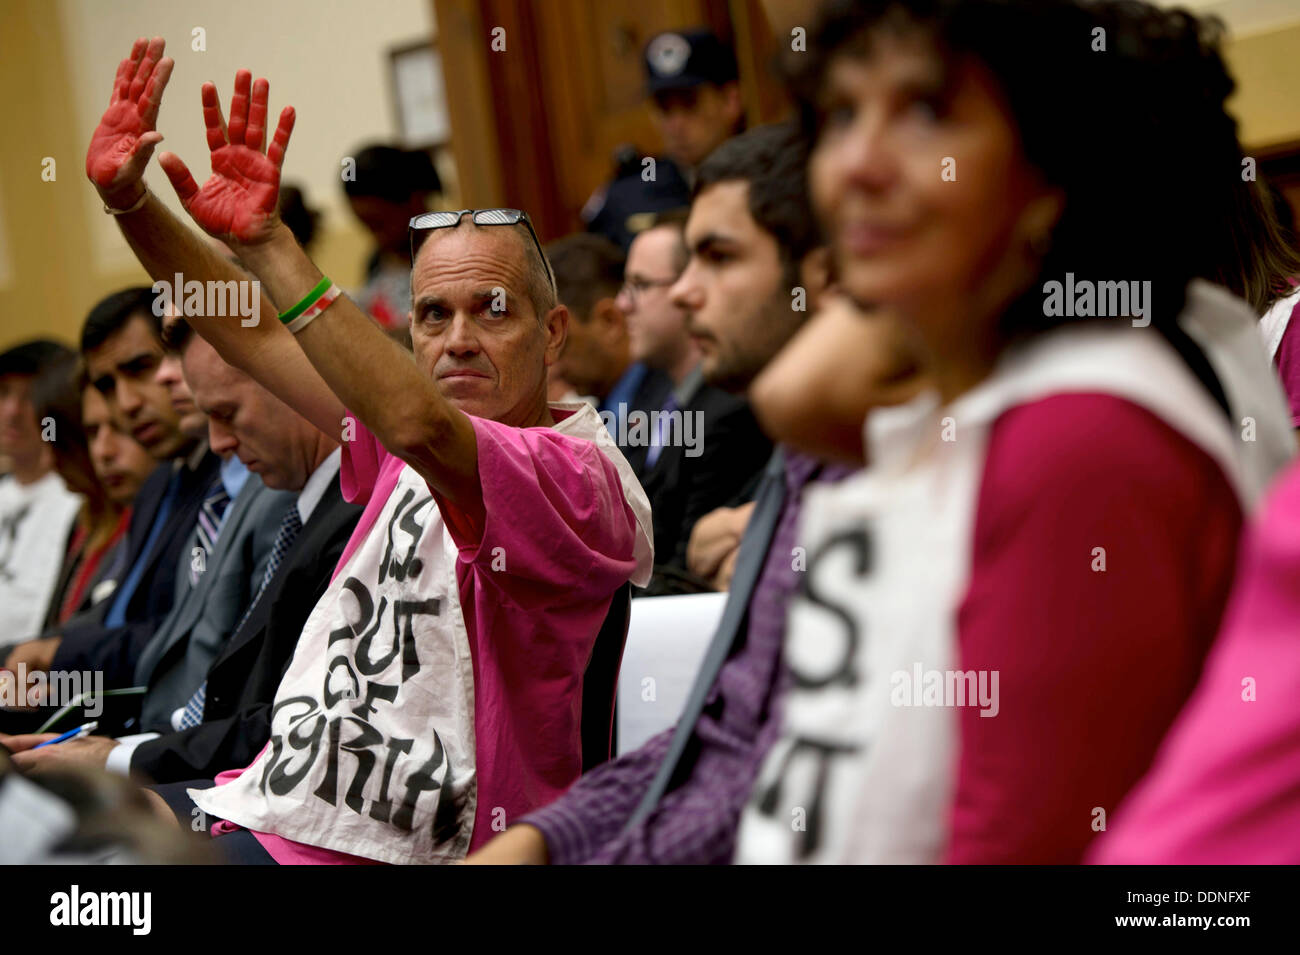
{"x":90,"y":645}
{"x":110,"y":569}
{"x":649,"y":396}
{"x":243,"y":679}
{"x":175,"y":662}
{"x":682,"y":489}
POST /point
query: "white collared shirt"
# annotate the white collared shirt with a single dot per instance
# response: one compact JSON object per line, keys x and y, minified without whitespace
{"x":314,"y":489}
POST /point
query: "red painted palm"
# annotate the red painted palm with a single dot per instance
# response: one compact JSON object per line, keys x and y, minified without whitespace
{"x":238,"y":202}
{"x":125,"y":138}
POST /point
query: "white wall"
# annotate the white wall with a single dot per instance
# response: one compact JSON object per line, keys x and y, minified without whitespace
{"x":328,"y":58}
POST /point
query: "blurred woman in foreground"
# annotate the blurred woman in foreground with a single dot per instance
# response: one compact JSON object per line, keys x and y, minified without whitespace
{"x":1006,"y":609}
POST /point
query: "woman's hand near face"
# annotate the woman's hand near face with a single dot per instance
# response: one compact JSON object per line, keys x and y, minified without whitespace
{"x":816,"y":393}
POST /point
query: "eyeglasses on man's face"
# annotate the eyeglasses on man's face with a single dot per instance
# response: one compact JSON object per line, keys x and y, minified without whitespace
{"x":637,"y":286}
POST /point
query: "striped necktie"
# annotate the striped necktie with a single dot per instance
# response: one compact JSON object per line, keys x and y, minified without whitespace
{"x":208,"y":530}
{"x":290,"y":525}
{"x":661,"y":435}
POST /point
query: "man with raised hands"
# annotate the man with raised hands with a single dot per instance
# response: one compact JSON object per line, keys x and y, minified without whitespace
{"x":436,"y":691}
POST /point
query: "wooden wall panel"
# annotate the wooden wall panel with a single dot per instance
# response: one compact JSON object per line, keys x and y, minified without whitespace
{"x":569,"y":89}
{"x":470,"y":106}
{"x":756,"y":50}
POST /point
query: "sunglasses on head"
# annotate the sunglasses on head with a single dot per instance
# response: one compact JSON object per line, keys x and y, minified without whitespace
{"x":421,"y":225}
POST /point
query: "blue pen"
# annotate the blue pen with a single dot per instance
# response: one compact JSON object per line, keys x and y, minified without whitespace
{"x":83,"y":730}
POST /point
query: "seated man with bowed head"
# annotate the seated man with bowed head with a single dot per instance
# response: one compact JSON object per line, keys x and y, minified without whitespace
{"x":437,"y":685}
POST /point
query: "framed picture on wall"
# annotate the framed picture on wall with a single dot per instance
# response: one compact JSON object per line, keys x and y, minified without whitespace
{"x":420,"y":95}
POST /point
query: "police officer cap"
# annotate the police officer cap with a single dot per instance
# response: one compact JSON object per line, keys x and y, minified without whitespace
{"x":681,"y":60}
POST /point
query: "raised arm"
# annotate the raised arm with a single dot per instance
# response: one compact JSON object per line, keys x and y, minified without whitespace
{"x":115,"y":162}
{"x":373,"y":376}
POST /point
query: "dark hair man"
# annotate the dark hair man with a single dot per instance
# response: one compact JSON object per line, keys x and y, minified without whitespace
{"x":706,"y":449}
{"x":121,"y":343}
{"x":122,"y":351}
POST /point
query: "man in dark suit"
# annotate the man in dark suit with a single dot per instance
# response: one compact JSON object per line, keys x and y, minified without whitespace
{"x":225,"y":719}
{"x":705,"y":448}
{"x":242,"y":682}
{"x":122,"y":347}
{"x":209,"y":606}
{"x":596,"y":360}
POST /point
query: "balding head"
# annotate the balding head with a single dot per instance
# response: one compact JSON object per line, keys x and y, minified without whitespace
{"x":656,"y":326}
{"x":245,"y":419}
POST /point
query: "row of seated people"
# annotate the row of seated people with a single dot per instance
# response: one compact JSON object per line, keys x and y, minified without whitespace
{"x":270,"y":540}
{"x":1047,"y":524}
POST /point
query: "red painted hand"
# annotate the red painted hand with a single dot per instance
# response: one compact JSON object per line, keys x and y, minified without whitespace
{"x":125,"y":138}
{"x":238,"y":203}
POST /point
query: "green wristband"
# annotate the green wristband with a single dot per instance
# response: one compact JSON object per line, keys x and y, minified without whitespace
{"x":320,"y":288}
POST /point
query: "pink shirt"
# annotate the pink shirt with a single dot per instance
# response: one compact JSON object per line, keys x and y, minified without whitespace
{"x":1094,"y":666}
{"x":556,"y":510}
{"x":1225,"y":788}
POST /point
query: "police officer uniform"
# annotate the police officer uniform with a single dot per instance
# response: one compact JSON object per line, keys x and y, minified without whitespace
{"x":628,"y":203}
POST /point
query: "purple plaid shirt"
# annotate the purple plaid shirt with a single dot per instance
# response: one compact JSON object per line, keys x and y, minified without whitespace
{"x":696,"y":822}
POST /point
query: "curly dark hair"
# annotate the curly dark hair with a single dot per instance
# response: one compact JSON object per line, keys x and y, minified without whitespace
{"x":1175,"y":90}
